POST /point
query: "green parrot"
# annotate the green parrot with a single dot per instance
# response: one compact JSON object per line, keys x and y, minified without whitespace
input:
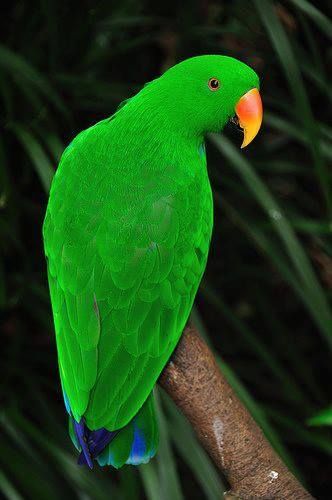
{"x":126,"y":234}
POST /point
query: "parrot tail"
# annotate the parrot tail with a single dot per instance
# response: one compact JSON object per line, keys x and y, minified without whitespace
{"x":134,"y":444}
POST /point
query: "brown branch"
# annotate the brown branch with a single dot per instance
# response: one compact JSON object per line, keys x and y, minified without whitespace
{"x":224,"y":426}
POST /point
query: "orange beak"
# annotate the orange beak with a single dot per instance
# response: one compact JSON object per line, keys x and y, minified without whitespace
{"x":249,"y":111}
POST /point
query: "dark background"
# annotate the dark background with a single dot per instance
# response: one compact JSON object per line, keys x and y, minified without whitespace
{"x":265,"y":301}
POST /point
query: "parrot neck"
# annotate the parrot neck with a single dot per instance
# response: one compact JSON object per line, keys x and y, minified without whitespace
{"x":155,"y":135}
{"x":153,"y":111}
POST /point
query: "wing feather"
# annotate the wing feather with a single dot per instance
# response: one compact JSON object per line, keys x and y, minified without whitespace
{"x":125,"y":257}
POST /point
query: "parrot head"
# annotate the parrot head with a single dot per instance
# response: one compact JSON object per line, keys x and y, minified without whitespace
{"x":203,"y":93}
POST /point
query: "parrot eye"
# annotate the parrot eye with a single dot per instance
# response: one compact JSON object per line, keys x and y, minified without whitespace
{"x":214,"y":84}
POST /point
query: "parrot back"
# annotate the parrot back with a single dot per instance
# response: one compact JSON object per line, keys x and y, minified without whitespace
{"x":126,"y":234}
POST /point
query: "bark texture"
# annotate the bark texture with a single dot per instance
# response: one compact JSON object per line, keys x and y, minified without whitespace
{"x":224,"y":426}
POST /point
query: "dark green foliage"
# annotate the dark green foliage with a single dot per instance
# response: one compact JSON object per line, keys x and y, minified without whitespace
{"x":265,"y":303}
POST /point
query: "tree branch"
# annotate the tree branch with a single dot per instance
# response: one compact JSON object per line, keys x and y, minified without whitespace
{"x":224,"y":426}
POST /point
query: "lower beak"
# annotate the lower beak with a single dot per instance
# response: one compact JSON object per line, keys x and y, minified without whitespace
{"x":249,"y":111}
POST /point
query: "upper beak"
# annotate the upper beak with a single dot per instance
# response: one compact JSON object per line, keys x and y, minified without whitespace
{"x":249,"y":111}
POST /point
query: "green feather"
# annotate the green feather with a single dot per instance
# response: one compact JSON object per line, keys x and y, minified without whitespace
{"x":121,"y":450}
{"x":127,"y":233}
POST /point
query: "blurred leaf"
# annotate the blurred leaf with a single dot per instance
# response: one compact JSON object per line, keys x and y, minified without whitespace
{"x":80,"y":477}
{"x":292,"y":72}
{"x":324,"y":417}
{"x":300,"y":435}
{"x":313,"y":293}
{"x":169,"y":481}
{"x":7,"y":489}
{"x":150,"y":480}
{"x":37,"y":155}
{"x":256,"y":345}
{"x":24,"y":72}
{"x":322,"y":21}
{"x":192,"y":453}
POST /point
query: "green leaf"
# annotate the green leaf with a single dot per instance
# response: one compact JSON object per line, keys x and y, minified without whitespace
{"x":186,"y":442}
{"x":298,"y":434}
{"x":23,"y":73}
{"x":288,"y":62}
{"x":37,"y":155}
{"x":320,"y":19}
{"x":149,"y":475}
{"x":324,"y":417}
{"x":168,"y":476}
{"x":312,"y":293}
{"x":7,"y":488}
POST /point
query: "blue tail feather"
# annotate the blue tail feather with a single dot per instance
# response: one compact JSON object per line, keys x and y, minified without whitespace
{"x":98,"y":440}
{"x":139,"y":452}
{"x":135,"y":443}
{"x":92,"y":443}
{"x":85,"y":455}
